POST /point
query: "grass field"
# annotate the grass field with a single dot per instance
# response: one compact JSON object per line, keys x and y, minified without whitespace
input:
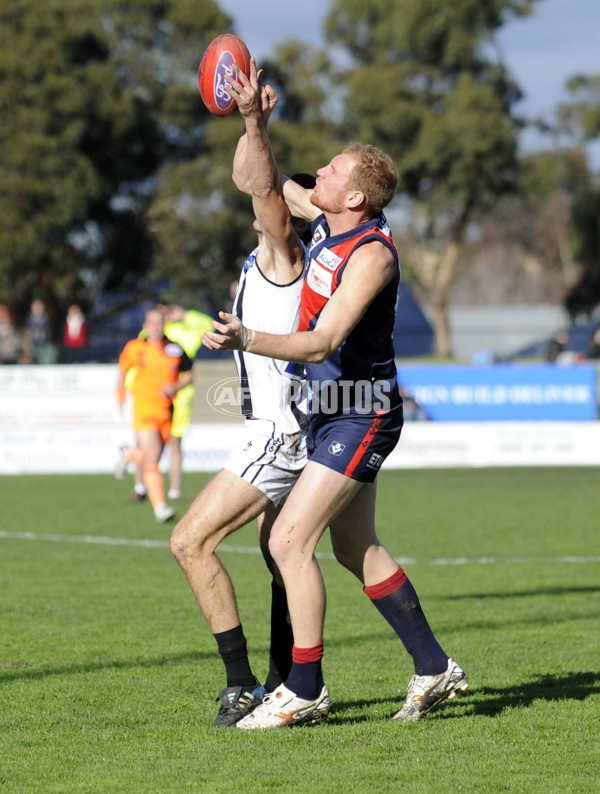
{"x":108,"y":673}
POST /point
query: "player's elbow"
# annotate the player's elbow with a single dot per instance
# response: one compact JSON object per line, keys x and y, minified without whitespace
{"x":263,"y":191}
{"x":241,"y":183}
{"x":321,"y":353}
{"x":316,"y":357}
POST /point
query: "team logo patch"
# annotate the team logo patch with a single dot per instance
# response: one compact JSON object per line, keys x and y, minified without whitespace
{"x":318,"y":236}
{"x":328,"y":259}
{"x":173,"y":349}
{"x":250,"y":260}
{"x":375,"y":461}
{"x":335,"y":448}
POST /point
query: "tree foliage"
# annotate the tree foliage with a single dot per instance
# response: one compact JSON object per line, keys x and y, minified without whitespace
{"x":584,"y":296}
{"x":425,"y":86}
{"x":579,"y":117}
{"x":94,"y":97}
{"x":113,"y":172}
{"x":112,"y":169}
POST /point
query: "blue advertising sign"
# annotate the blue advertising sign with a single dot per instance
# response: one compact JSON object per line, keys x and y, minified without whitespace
{"x":503,"y":392}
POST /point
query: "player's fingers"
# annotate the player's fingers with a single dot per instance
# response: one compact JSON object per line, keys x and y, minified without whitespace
{"x":218,"y":341}
{"x":210,"y":339}
{"x":272,"y":95}
{"x":207,"y":341}
{"x":232,"y":86}
{"x":239,"y":77}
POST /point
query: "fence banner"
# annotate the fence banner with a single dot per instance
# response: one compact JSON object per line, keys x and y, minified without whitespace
{"x":65,"y":420}
{"x":503,"y":392}
{"x":93,"y":449}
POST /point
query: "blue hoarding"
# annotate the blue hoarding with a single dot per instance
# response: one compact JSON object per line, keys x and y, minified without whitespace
{"x":502,"y":392}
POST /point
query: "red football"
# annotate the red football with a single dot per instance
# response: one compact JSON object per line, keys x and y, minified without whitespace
{"x":222,"y":54}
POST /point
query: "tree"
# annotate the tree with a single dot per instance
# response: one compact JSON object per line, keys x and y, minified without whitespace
{"x":579,"y":118}
{"x":95,"y":95}
{"x":584,"y":297}
{"x":426,"y":86}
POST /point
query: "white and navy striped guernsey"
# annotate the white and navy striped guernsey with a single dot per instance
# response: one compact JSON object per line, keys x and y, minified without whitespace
{"x":270,"y":389}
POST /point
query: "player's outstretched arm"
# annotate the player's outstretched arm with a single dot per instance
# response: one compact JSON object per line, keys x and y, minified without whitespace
{"x":368,"y":271}
{"x":282,"y":250}
{"x":269,"y":99}
{"x":298,"y":200}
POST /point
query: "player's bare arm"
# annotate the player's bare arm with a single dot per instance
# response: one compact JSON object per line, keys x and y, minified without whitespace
{"x":368,"y":271}
{"x":171,"y":389}
{"x":269,"y":99}
{"x":298,"y":200}
{"x":121,"y":393}
{"x":281,"y":255}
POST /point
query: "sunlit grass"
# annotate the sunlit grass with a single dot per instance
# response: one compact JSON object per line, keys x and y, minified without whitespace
{"x":108,"y":673}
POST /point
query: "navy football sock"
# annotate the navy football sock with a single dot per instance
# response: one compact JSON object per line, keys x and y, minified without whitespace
{"x":306,"y":676}
{"x":398,"y":602}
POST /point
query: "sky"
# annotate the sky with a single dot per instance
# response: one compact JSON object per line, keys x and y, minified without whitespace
{"x":560,"y":39}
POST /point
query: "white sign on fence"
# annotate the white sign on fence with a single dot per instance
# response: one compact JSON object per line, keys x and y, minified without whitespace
{"x":65,"y":419}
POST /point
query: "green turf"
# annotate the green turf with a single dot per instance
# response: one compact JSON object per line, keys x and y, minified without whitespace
{"x":108,"y":673}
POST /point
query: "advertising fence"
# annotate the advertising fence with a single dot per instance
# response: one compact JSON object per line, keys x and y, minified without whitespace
{"x":65,"y":419}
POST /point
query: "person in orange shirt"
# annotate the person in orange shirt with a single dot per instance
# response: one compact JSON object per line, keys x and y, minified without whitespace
{"x":163,"y":368}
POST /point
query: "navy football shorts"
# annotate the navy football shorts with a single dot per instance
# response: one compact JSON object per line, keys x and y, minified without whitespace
{"x":354,"y":444}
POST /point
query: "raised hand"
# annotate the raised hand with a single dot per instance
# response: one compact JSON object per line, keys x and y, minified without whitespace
{"x":252,"y":98}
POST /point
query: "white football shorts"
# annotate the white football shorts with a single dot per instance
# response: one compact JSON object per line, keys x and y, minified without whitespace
{"x":269,"y":460}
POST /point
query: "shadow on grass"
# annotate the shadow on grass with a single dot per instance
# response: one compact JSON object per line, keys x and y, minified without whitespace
{"x":487,"y":701}
{"x":549,"y":591}
{"x":17,"y":671}
{"x":574,"y":686}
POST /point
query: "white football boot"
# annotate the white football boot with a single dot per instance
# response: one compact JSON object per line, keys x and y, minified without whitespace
{"x":426,"y":691}
{"x":282,"y":708}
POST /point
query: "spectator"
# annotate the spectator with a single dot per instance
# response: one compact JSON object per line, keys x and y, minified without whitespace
{"x":40,"y":334}
{"x":594,"y":348}
{"x":74,"y":336}
{"x":556,"y":346}
{"x":10,"y":340}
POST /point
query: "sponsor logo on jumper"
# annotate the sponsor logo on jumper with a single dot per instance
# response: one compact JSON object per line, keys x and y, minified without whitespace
{"x":328,"y":259}
{"x":319,"y":282}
